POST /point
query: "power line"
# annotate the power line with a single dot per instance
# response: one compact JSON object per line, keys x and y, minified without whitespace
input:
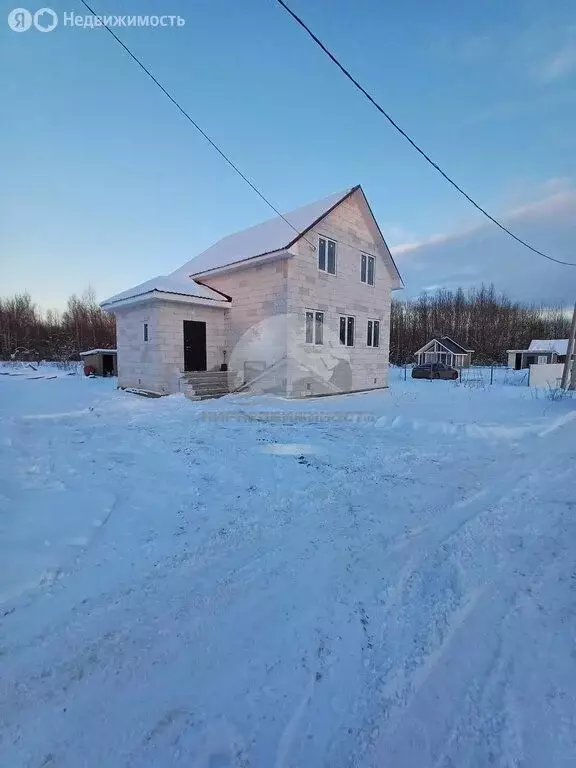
{"x":191,"y":120}
{"x":403,"y":133}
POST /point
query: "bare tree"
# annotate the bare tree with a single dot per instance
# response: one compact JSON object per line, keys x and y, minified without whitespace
{"x":26,"y":333}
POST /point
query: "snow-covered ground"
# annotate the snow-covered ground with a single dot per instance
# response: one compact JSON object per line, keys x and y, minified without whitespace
{"x":380,"y":579}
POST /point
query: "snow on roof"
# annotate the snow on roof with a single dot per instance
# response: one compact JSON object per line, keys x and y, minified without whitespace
{"x":98,"y":351}
{"x":560,"y":346}
{"x":176,"y":284}
{"x":447,"y":343}
{"x":452,"y":345}
{"x":267,"y":237}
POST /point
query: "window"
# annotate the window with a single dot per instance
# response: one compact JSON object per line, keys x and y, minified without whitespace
{"x":347,"y":330}
{"x":542,"y":359}
{"x":327,"y":255}
{"x":145,"y":331}
{"x":367,"y":269}
{"x":314,"y":327}
{"x":373,"y":334}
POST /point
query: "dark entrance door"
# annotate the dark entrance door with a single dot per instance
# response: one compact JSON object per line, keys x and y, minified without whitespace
{"x":518,"y":364}
{"x":194,"y":345}
{"x":108,"y":365}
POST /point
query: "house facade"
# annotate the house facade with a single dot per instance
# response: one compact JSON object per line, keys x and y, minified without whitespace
{"x":539,"y":352}
{"x":444,"y":350}
{"x":298,"y":305}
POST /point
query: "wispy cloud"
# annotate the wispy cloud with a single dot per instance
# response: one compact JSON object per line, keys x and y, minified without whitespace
{"x":477,"y":48}
{"x":484,"y":254}
{"x":542,"y":50}
{"x":402,"y":248}
{"x":560,"y":64}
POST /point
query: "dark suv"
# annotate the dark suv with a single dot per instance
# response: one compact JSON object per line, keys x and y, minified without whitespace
{"x":434,"y":371}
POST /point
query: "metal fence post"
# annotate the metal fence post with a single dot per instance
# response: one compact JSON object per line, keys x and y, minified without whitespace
{"x":491,"y":374}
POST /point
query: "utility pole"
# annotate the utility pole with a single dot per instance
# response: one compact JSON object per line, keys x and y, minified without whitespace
{"x":572,"y":383}
{"x":569,"y":372}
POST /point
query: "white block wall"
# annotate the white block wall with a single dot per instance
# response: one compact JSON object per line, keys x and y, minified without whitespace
{"x":139,"y":362}
{"x":360,"y":366}
{"x":257,"y":318}
{"x":546,"y":375}
{"x":171,"y":318}
{"x":158,"y":364}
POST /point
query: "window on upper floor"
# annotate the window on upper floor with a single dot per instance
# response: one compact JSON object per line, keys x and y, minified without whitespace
{"x":314,"y":327}
{"x":367,"y":269}
{"x":327,"y":255}
{"x":373,"y":333}
{"x":347,"y":330}
{"x":145,"y":331}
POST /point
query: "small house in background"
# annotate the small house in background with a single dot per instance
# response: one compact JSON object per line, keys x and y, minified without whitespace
{"x":100,"y":362}
{"x":540,"y":352}
{"x":444,"y":350}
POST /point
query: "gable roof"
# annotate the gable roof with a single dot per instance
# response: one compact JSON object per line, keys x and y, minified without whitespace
{"x":273,"y":236}
{"x":265,"y":239}
{"x":448,"y":344}
{"x":268,"y":237}
{"x":560,"y":346}
{"x":453,"y":346}
{"x":169,"y":284}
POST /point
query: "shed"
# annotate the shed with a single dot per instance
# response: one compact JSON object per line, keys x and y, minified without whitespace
{"x":103,"y":361}
{"x":540,"y":352}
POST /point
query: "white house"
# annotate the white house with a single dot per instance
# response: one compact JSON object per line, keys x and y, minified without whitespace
{"x":540,"y":352}
{"x":295,"y":308}
{"x":444,"y":350}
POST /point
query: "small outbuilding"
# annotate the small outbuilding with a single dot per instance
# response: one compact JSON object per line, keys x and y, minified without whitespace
{"x":540,"y":352}
{"x":444,"y":350}
{"x":100,"y":362}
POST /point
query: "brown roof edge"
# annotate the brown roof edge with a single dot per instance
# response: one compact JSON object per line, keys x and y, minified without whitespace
{"x":229,"y":298}
{"x":232,"y":264}
{"x":303,"y":233}
{"x":336,"y":204}
{"x":455,"y":342}
{"x":326,"y":213}
{"x":381,"y":235}
{"x":298,"y":236}
{"x":172,"y":293}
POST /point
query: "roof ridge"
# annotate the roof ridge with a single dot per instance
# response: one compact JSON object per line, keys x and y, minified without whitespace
{"x":266,"y":237}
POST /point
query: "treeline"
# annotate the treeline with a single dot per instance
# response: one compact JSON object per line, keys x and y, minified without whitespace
{"x":480,"y":319}
{"x":27,"y":333}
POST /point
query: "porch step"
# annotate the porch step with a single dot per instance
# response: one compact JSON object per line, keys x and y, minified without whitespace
{"x":204,"y":397}
{"x":207,"y":389}
{"x":203,"y":384}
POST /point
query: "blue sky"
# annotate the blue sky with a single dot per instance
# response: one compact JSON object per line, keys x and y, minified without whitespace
{"x":104,"y":183}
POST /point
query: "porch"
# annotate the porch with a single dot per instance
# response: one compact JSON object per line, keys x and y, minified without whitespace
{"x":442,"y":356}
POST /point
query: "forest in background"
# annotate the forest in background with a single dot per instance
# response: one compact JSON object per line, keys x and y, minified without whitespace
{"x":480,"y":319}
{"x":28,"y":333}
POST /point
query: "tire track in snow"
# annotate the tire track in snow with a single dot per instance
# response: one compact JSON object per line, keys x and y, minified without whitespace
{"x":484,"y":726}
{"x":398,"y":696}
